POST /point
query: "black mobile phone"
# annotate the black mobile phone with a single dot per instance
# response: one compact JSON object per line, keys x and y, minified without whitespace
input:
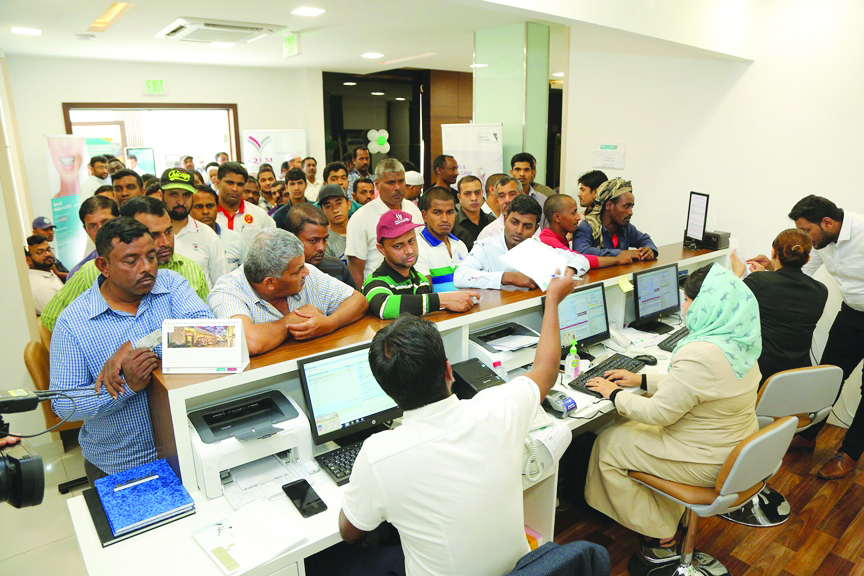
{"x":305,"y":499}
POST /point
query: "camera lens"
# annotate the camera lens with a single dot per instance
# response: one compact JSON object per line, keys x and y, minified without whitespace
{"x":22,"y":478}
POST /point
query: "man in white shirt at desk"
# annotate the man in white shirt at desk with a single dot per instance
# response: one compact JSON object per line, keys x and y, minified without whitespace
{"x":483,"y":267}
{"x":449,"y":478}
{"x":838,"y":242}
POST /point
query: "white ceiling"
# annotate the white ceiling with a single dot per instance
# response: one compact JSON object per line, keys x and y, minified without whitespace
{"x":331,"y":42}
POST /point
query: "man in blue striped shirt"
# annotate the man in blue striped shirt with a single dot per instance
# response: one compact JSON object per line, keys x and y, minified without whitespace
{"x":127,"y":302}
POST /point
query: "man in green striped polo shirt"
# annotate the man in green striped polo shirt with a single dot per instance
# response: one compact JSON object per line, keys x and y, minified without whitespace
{"x":395,"y":287}
{"x":151,"y":213}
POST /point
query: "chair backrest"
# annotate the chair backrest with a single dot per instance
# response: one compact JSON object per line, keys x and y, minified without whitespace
{"x":38,"y":362}
{"x":756,"y":458}
{"x":44,"y":335}
{"x":799,"y":391}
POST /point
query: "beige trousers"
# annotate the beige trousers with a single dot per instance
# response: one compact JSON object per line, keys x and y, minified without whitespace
{"x":610,"y":490}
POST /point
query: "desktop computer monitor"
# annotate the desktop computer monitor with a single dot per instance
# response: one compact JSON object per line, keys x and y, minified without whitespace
{"x":342,"y":395}
{"x":655,"y":293}
{"x":582,"y":316}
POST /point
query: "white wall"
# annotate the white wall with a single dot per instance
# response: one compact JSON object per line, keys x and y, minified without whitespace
{"x":756,"y":136}
{"x":722,"y":26}
{"x":266,"y":98}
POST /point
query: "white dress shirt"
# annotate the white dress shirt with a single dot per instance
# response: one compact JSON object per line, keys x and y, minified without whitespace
{"x":312,"y":190}
{"x":200,"y":243}
{"x":844,"y":259}
{"x":235,"y":247}
{"x":483,"y":268}
{"x":91,"y":184}
{"x":449,"y":480}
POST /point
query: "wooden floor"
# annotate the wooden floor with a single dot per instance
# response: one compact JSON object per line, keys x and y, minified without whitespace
{"x":824,"y":535}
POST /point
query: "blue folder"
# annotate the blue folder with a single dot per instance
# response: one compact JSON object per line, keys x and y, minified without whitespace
{"x":142,"y":496}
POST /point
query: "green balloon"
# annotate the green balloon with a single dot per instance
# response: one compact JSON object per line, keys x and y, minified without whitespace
{"x":382,"y":140}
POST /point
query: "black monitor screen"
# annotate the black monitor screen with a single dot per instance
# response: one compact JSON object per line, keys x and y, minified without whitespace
{"x":656,"y":292}
{"x":582,"y":316}
{"x":342,"y":395}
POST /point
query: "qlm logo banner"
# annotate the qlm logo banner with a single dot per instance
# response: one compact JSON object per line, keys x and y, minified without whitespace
{"x":271,"y":147}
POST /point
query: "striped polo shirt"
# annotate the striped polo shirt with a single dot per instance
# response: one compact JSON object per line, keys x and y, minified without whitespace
{"x":435,"y":261}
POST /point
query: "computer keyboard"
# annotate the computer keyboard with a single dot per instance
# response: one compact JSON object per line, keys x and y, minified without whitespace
{"x":668,"y":344}
{"x":339,"y":462}
{"x":614,"y":362}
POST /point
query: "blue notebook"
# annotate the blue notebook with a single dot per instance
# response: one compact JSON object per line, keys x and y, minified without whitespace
{"x":142,"y":496}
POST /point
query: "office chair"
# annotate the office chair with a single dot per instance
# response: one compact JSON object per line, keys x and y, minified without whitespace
{"x":742,"y":475}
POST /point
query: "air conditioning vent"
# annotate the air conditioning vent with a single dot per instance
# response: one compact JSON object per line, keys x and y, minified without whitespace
{"x":206,"y":31}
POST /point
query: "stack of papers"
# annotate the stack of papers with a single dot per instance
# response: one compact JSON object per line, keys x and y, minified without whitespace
{"x":248,"y":538}
{"x":261,"y":480}
{"x":536,"y":260}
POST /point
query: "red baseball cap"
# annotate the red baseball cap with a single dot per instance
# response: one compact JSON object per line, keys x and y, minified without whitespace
{"x":393,"y":224}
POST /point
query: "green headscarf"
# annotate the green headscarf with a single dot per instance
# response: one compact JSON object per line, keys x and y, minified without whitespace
{"x":609,"y":190}
{"x":726,"y":313}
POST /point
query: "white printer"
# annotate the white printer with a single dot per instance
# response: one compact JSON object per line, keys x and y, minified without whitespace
{"x":241,"y":430}
{"x":516,"y":345}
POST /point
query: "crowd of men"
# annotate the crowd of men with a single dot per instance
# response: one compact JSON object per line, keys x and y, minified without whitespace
{"x":294,"y":257}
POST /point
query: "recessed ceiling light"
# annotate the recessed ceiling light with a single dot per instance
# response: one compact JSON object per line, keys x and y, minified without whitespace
{"x":26,"y":31}
{"x":400,"y":99}
{"x":558,"y":74}
{"x":371,"y":55}
{"x":377,"y":93}
{"x":349,"y":83}
{"x":222,"y":44}
{"x":307,"y":11}
{"x":478,"y":65}
{"x":86,"y":37}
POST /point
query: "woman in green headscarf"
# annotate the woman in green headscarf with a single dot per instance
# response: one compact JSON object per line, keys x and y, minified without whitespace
{"x":691,"y":418}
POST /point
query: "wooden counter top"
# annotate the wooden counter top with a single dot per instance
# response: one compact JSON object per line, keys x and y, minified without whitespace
{"x":364,"y":329}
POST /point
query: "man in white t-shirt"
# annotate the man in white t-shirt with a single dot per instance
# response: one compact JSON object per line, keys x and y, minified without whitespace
{"x":44,"y":284}
{"x":191,"y":238}
{"x":234,"y":212}
{"x":98,"y":168}
{"x":313,"y":184}
{"x":449,"y":479}
{"x":361,"y":238}
{"x":204,"y":204}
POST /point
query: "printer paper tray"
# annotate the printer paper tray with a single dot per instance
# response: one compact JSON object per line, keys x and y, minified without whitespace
{"x":268,"y":490}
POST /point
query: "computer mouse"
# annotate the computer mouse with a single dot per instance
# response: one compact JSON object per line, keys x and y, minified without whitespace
{"x":560,"y":403}
{"x":647,"y":359}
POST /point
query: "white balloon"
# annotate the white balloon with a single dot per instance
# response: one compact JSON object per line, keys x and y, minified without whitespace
{"x":372,"y":135}
{"x":385,"y":148}
{"x":373,"y":147}
{"x":383,"y":133}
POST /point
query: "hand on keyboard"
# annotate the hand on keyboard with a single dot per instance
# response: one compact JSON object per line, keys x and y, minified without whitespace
{"x":624,"y":378}
{"x":601,"y":386}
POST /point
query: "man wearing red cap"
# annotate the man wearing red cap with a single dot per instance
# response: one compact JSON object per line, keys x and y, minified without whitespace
{"x":395,"y":287}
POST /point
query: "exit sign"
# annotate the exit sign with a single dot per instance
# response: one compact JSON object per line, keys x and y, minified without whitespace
{"x":291,"y":45}
{"x":155,"y":88}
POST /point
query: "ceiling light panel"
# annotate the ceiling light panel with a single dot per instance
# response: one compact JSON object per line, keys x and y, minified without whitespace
{"x":26,"y":31}
{"x":371,"y":55}
{"x":307,"y":11}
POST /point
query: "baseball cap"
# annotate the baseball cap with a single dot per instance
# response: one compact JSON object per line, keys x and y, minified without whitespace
{"x":43,"y":223}
{"x":413,"y":178}
{"x":393,"y":224}
{"x":177,"y":178}
{"x":331,"y":190}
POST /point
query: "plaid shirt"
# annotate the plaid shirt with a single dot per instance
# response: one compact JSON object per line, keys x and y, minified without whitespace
{"x":234,"y":296}
{"x":116,"y":434}
{"x":88,"y":273}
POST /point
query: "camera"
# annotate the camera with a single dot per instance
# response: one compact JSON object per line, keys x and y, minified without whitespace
{"x":22,"y":477}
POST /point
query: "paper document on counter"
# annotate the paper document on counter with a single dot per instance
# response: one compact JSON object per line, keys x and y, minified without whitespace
{"x":514,"y":342}
{"x":556,"y":437}
{"x":248,"y":538}
{"x":261,"y":480}
{"x":536,"y":260}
